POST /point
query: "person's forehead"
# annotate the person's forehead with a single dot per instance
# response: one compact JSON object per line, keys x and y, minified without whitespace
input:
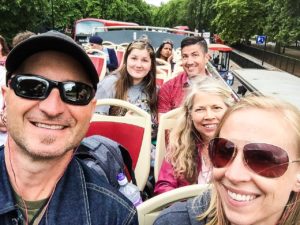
{"x":167,"y":45}
{"x":259,"y":125}
{"x":140,"y":52}
{"x":191,"y":48}
{"x":203,"y":98}
{"x":60,"y":63}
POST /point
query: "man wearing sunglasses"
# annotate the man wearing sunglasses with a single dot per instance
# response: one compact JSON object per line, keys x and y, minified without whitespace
{"x":49,"y":101}
{"x":194,"y":55}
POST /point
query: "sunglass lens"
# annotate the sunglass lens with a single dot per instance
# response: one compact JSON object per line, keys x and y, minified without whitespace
{"x":28,"y":87}
{"x":77,"y":93}
{"x":221,"y":151}
{"x":266,"y":160}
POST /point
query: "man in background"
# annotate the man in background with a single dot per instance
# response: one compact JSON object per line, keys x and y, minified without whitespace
{"x":110,"y":54}
{"x":194,"y":53}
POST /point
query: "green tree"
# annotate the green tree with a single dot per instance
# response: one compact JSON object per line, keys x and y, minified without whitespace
{"x":239,"y":19}
{"x":200,"y":14}
{"x":23,"y":15}
{"x":283,"y":22}
{"x":171,"y":14}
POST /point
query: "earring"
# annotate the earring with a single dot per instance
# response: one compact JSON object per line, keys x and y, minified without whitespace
{"x":3,"y":118}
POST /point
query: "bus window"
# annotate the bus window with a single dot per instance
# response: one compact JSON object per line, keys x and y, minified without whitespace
{"x":85,"y":29}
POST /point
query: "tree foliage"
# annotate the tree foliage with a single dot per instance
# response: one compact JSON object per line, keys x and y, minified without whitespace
{"x":37,"y":16}
{"x":200,"y":14}
{"x":239,"y":19}
{"x":283,"y":21}
{"x":234,"y":20}
{"x":172,"y":14}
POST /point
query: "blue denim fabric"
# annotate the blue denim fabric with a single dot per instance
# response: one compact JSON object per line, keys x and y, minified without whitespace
{"x":81,"y":197}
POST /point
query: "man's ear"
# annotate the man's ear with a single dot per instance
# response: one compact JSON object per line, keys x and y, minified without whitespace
{"x":93,"y":105}
{"x":207,"y":57}
{"x":297,"y":184}
{"x":4,"y":90}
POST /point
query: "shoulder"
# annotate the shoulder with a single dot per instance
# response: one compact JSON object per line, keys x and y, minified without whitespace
{"x":185,"y":213}
{"x":175,"y":214}
{"x":109,"y":79}
{"x":106,"y":86}
{"x":99,"y":191}
{"x":180,"y":79}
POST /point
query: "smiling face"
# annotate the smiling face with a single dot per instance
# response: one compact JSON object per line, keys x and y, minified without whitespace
{"x":49,"y":128}
{"x":138,"y":64}
{"x":248,"y":198}
{"x":206,"y":113}
{"x":194,"y":60}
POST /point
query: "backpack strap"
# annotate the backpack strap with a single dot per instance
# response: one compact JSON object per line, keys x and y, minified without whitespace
{"x":128,"y":163}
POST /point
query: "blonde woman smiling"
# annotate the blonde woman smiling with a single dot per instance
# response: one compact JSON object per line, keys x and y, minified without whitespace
{"x":187,"y":161}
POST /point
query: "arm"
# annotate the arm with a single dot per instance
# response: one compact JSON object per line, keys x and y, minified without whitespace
{"x":175,"y":214}
{"x":106,"y":89}
{"x":113,"y":64}
{"x":133,"y":220}
{"x":166,"y":179}
{"x":164,"y":98}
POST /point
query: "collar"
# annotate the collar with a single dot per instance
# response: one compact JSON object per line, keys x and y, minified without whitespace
{"x":187,"y":81}
{"x":70,"y":189}
{"x":6,"y":195}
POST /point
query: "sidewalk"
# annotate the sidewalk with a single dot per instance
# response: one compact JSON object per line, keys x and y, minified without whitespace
{"x":257,"y":61}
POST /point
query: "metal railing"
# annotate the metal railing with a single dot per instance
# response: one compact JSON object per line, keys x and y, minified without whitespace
{"x":285,"y":63}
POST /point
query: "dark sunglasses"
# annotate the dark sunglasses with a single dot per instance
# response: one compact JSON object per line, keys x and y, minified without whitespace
{"x":264,"y":159}
{"x":38,"y":88}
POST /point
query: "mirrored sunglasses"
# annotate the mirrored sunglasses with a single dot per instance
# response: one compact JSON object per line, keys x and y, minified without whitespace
{"x":36,"y":87}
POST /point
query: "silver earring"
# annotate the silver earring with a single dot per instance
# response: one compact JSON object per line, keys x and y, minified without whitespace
{"x":3,"y":117}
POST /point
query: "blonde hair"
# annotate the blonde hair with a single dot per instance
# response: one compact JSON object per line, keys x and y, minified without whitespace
{"x":291,"y":115}
{"x":182,"y":152}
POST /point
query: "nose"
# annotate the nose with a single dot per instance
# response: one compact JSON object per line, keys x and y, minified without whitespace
{"x":209,"y":114}
{"x":138,"y":63}
{"x":237,"y":171}
{"x":189,"y":60}
{"x":53,"y":104}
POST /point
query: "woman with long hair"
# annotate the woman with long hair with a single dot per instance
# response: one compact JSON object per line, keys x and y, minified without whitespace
{"x":256,"y":169}
{"x":134,"y":82}
{"x":187,"y":161}
{"x":165,"y":51}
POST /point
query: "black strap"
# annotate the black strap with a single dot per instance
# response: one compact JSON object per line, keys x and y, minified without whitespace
{"x":128,"y":162}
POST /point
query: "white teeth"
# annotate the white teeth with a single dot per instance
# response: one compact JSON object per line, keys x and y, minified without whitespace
{"x":240,"y":197}
{"x":47,"y":126}
{"x":210,"y":125}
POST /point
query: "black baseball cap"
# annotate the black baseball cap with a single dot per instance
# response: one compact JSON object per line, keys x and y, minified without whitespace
{"x":96,"y":40}
{"x":51,"y":40}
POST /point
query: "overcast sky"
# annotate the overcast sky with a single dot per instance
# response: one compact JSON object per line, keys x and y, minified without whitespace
{"x":156,"y":2}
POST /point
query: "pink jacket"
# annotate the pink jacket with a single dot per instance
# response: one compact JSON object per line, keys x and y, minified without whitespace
{"x":166,"y":179}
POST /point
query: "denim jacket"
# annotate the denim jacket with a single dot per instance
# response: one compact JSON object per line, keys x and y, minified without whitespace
{"x":186,"y":213}
{"x":81,"y":197}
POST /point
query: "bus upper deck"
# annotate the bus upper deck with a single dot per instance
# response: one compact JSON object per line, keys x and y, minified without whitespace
{"x":119,"y":32}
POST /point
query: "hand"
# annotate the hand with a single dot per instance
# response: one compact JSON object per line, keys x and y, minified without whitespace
{"x":170,"y":59}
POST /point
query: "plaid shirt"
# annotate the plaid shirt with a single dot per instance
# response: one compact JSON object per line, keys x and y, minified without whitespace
{"x":172,"y":93}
